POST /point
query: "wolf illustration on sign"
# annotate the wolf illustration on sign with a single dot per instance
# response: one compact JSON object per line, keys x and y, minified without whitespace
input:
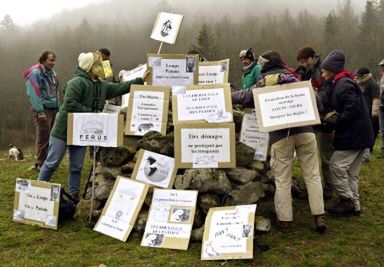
{"x":156,"y":170}
{"x":166,"y":28}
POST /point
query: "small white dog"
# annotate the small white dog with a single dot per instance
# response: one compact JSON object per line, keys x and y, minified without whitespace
{"x":15,"y":153}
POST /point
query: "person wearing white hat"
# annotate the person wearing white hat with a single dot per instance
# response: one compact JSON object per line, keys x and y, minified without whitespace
{"x":85,"y":92}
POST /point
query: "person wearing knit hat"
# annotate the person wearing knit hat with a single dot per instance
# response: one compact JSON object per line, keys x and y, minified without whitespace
{"x":85,"y":92}
{"x":352,"y":133}
{"x":371,"y":92}
{"x":251,"y":68}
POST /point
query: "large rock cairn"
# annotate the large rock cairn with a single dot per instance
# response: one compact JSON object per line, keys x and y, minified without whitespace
{"x":250,"y":182}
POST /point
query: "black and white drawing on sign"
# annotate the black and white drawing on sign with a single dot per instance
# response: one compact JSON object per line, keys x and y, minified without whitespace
{"x":93,"y":127}
{"x":223,"y":66}
{"x":246,"y":230}
{"x":190,"y":63}
{"x":166,"y":28}
{"x":145,"y":127}
{"x":55,"y":192}
{"x":154,"y":240}
{"x":156,"y":170}
{"x":22,"y":185}
{"x":210,"y":250}
{"x":180,"y":215}
{"x":201,"y":159}
{"x":160,"y":213}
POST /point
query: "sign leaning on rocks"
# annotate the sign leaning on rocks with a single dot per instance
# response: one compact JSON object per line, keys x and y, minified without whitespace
{"x":213,"y":72}
{"x":166,"y":27}
{"x":173,"y":69}
{"x":128,"y":76}
{"x":228,"y":233}
{"x":202,"y":103}
{"x":95,"y":129}
{"x":155,"y":169}
{"x":205,"y":145}
{"x":122,"y":208}
{"x":36,"y":203}
{"x":170,"y":219}
{"x":285,"y":106}
{"x":147,"y":110}
{"x":251,"y":135}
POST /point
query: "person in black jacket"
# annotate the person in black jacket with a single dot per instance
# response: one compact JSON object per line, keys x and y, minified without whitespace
{"x":352,"y":133}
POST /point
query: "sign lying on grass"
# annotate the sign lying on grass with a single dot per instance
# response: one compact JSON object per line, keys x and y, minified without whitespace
{"x":166,"y":27}
{"x":228,"y":233}
{"x":170,"y":219}
{"x":147,"y":110}
{"x":251,"y":135}
{"x":122,"y":208}
{"x":285,"y":106}
{"x":155,"y":169}
{"x":37,"y":202}
{"x":213,"y":72}
{"x":95,"y":129}
{"x":173,"y":69}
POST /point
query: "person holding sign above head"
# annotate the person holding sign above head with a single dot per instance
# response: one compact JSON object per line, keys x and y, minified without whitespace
{"x":250,"y":67}
{"x":85,"y":92}
{"x":352,"y":133}
{"x":284,"y":143}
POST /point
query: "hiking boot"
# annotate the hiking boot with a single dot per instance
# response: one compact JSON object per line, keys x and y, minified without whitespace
{"x":284,"y":226}
{"x":320,"y":223}
{"x":344,"y":206}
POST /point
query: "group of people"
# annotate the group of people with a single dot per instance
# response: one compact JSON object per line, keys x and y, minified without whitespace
{"x":350,"y":107}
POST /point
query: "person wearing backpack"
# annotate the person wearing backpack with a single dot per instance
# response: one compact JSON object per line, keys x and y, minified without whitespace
{"x":41,"y":85}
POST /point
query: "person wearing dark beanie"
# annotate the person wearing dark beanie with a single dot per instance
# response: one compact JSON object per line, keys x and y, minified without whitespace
{"x":352,"y":133}
{"x":251,"y":68}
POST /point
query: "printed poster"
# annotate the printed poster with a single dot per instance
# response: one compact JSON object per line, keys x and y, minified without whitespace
{"x":166,"y":27}
{"x":108,"y":72}
{"x":213,"y":72}
{"x":170,"y":219}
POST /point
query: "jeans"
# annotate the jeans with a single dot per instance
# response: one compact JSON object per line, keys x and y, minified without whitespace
{"x":56,"y":151}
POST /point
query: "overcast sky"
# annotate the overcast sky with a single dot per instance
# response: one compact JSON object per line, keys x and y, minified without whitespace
{"x":24,"y":12}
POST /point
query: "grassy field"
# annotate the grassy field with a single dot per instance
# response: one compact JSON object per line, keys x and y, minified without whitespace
{"x":354,"y":241}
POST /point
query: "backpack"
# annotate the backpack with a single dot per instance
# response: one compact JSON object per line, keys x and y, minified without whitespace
{"x":67,"y":206}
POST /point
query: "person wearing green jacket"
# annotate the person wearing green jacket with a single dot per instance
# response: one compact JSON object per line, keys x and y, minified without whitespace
{"x":85,"y":92}
{"x":251,"y":69}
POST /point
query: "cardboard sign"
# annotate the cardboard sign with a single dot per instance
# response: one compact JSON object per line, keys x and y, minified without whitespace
{"x":95,"y":129}
{"x":205,"y":145}
{"x":129,"y":76}
{"x":108,"y":108}
{"x":122,"y":208}
{"x":166,"y":27}
{"x":37,"y":203}
{"x":251,"y":136}
{"x":147,"y":110}
{"x":108,"y":72}
{"x":213,"y":72}
{"x":285,"y":106}
{"x":202,"y":103}
{"x":228,"y":233}
{"x":170,"y":219}
{"x":155,"y":169}
{"x":173,"y":69}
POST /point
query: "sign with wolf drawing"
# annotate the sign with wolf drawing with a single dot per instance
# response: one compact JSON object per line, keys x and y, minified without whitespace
{"x":205,"y":145}
{"x":285,"y":106}
{"x":166,"y":27}
{"x":228,"y":233}
{"x":202,"y":103}
{"x":122,"y":208}
{"x":173,"y":69}
{"x":147,"y":110}
{"x":130,"y":75}
{"x":36,"y":203}
{"x":213,"y":72}
{"x":95,"y":129}
{"x":251,"y":135}
{"x":155,"y":169}
{"x":170,"y":219}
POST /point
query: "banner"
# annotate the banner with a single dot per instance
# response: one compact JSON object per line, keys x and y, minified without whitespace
{"x":166,"y":27}
{"x":213,"y":72}
{"x":36,"y":203}
{"x":170,"y":219}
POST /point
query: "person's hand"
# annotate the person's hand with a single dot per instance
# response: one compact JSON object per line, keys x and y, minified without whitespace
{"x":145,"y":75}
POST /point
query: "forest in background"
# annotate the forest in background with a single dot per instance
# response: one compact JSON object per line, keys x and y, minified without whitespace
{"x":217,"y":36}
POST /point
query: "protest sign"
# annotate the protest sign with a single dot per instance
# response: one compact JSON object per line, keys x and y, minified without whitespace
{"x":129,"y":76}
{"x":109,"y":108}
{"x":213,"y":72}
{"x":228,"y":233}
{"x":170,"y":219}
{"x":108,"y":72}
{"x":173,"y":69}
{"x":205,"y":145}
{"x":37,"y":203}
{"x":166,"y":27}
{"x":202,"y":103}
{"x":122,"y":208}
{"x":251,"y":136}
{"x":154,"y":169}
{"x":95,"y":129}
{"x":147,"y":110}
{"x":285,"y":106}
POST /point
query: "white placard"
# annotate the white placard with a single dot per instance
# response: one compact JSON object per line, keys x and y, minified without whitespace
{"x":228,"y":233}
{"x":251,"y":136}
{"x":95,"y":129}
{"x":213,"y":74}
{"x":129,"y":76}
{"x":166,"y":27}
{"x":170,"y":219}
{"x":125,"y":100}
{"x":108,"y":108}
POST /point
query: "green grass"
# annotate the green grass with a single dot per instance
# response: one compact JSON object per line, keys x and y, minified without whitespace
{"x":354,"y":241}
